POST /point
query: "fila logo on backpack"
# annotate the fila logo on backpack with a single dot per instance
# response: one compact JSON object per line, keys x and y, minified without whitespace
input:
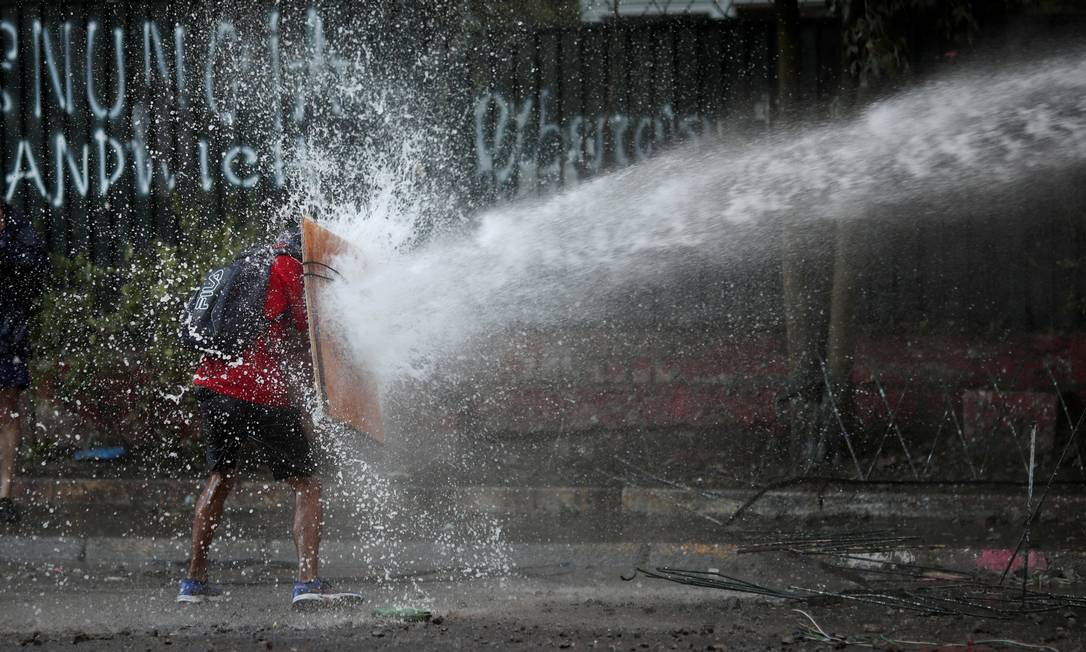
{"x":226,"y":312}
{"x":210,"y":286}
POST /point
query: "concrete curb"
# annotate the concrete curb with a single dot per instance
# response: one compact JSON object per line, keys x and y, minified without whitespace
{"x":940,"y":503}
{"x":347,"y":557}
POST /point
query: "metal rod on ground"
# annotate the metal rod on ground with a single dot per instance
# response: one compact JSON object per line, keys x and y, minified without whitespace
{"x":875,"y":598}
{"x":672,"y":501}
{"x":1067,"y":415}
{"x":1029,"y":505}
{"x":901,"y":565}
{"x":897,"y":429}
{"x":935,"y":440}
{"x":670,"y":483}
{"x":885,"y":434}
{"x":758,"y":469}
{"x":700,"y":574}
{"x":697,"y":578}
{"x":989,"y":612}
{"x":855,"y":543}
{"x":1010,"y":422}
{"x":961,"y":435}
{"x":843,"y":537}
{"x":841,"y":421}
{"x":1041,"y":500}
{"x":761,"y":492}
{"x":905,"y":573}
{"x":1062,"y":598}
{"x":969,"y":599}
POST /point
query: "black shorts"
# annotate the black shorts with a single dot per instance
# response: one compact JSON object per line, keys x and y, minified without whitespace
{"x":274,"y":436}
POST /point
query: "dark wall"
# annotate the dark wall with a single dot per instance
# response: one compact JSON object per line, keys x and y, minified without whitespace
{"x":119,"y":115}
{"x":556,"y":106}
{"x":100,"y":167}
{"x":213,"y":93}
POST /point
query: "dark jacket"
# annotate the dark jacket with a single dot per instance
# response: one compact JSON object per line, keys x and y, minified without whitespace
{"x":23,"y":269}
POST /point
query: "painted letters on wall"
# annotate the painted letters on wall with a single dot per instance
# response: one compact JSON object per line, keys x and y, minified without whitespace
{"x":79,"y":101}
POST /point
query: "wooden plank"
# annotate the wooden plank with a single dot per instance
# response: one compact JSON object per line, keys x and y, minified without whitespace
{"x":762,"y":53}
{"x":348,"y":390}
{"x":689,"y":71}
{"x":52,"y":121}
{"x":829,"y":64}
{"x":594,"y":70}
{"x":164,"y":110}
{"x":734,"y":62}
{"x":808,"y":57}
{"x":137,"y":131}
{"x":550,"y":99}
{"x":618,"y":65}
{"x":77,"y":136}
{"x":570,"y":111}
{"x":649,"y":56}
{"x":119,"y":200}
{"x":664,"y":91}
{"x":526,"y":94}
{"x":503,"y":57}
{"x":618,"y":100}
{"x":710,"y":62}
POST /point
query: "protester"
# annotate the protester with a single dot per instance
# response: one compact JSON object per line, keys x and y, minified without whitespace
{"x":252,"y":403}
{"x":22,"y":274}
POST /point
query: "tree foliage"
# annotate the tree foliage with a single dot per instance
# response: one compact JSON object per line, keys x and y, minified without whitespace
{"x":876,"y":33}
{"x":106,"y":345}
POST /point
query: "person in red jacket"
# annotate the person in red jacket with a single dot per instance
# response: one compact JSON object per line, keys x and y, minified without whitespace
{"x":254,"y":402}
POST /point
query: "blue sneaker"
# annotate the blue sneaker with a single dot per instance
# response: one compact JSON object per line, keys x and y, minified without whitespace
{"x":318,"y":594}
{"x":196,"y":591}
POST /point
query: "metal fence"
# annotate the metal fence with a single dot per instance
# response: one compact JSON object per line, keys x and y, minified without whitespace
{"x":557,"y":106}
{"x":117,"y":115}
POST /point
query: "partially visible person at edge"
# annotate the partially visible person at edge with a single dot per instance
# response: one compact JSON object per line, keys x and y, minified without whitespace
{"x":254,"y":405}
{"x":22,"y":277}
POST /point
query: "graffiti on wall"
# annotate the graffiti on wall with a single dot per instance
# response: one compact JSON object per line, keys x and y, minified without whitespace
{"x":92,"y":106}
{"x":65,"y":68}
{"x":524,"y":142}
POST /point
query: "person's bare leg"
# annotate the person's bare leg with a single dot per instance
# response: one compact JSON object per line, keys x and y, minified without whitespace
{"x":307,"y":525}
{"x":9,"y":438}
{"x":205,"y":521}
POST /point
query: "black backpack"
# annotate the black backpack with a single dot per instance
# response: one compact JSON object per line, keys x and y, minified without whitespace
{"x":226,"y":312}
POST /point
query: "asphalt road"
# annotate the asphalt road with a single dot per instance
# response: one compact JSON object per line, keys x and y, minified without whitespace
{"x":555,"y":605}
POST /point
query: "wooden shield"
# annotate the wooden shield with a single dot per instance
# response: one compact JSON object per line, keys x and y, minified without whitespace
{"x":347,"y":388}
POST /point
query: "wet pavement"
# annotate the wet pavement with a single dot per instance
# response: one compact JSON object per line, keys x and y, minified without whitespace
{"x":100,"y":573}
{"x":579,"y":601}
{"x":547,"y":597}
